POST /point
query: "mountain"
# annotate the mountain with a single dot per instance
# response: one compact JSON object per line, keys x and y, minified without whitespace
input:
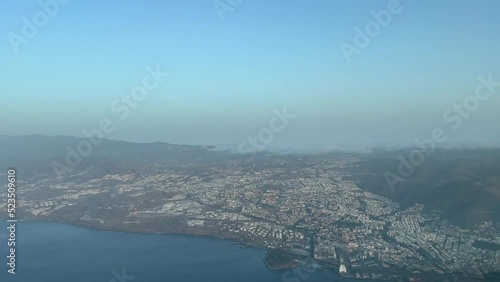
{"x":464,"y":184}
{"x":37,"y":153}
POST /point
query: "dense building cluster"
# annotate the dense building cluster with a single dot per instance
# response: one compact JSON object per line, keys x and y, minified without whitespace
{"x":310,"y":210}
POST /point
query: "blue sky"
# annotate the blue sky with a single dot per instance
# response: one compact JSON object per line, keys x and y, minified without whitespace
{"x":226,"y":76}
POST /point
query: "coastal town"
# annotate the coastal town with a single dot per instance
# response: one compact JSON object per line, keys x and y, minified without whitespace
{"x":308,"y":208}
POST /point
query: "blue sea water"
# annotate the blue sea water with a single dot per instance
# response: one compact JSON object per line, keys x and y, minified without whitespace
{"x":54,"y":252}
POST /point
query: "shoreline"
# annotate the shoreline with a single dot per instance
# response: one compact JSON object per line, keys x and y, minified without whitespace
{"x":211,"y":237}
{"x":143,"y":233}
{"x":266,"y":262}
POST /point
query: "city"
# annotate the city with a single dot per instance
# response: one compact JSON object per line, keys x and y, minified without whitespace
{"x":304,"y":206}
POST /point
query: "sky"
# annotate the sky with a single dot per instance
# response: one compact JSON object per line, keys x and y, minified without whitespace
{"x":232,"y":64}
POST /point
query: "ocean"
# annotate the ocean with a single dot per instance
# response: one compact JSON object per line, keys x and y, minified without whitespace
{"x":54,"y":252}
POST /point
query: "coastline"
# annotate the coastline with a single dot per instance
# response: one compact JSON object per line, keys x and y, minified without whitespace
{"x":228,"y":240}
{"x":144,"y":233}
{"x":266,"y":262}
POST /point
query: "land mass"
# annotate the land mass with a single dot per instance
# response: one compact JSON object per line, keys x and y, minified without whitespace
{"x":324,"y":209}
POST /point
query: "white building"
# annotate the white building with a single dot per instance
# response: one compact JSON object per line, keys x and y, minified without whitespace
{"x":342,"y":269}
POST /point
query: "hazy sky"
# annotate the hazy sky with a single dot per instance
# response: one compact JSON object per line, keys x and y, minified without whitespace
{"x":227,"y":76}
